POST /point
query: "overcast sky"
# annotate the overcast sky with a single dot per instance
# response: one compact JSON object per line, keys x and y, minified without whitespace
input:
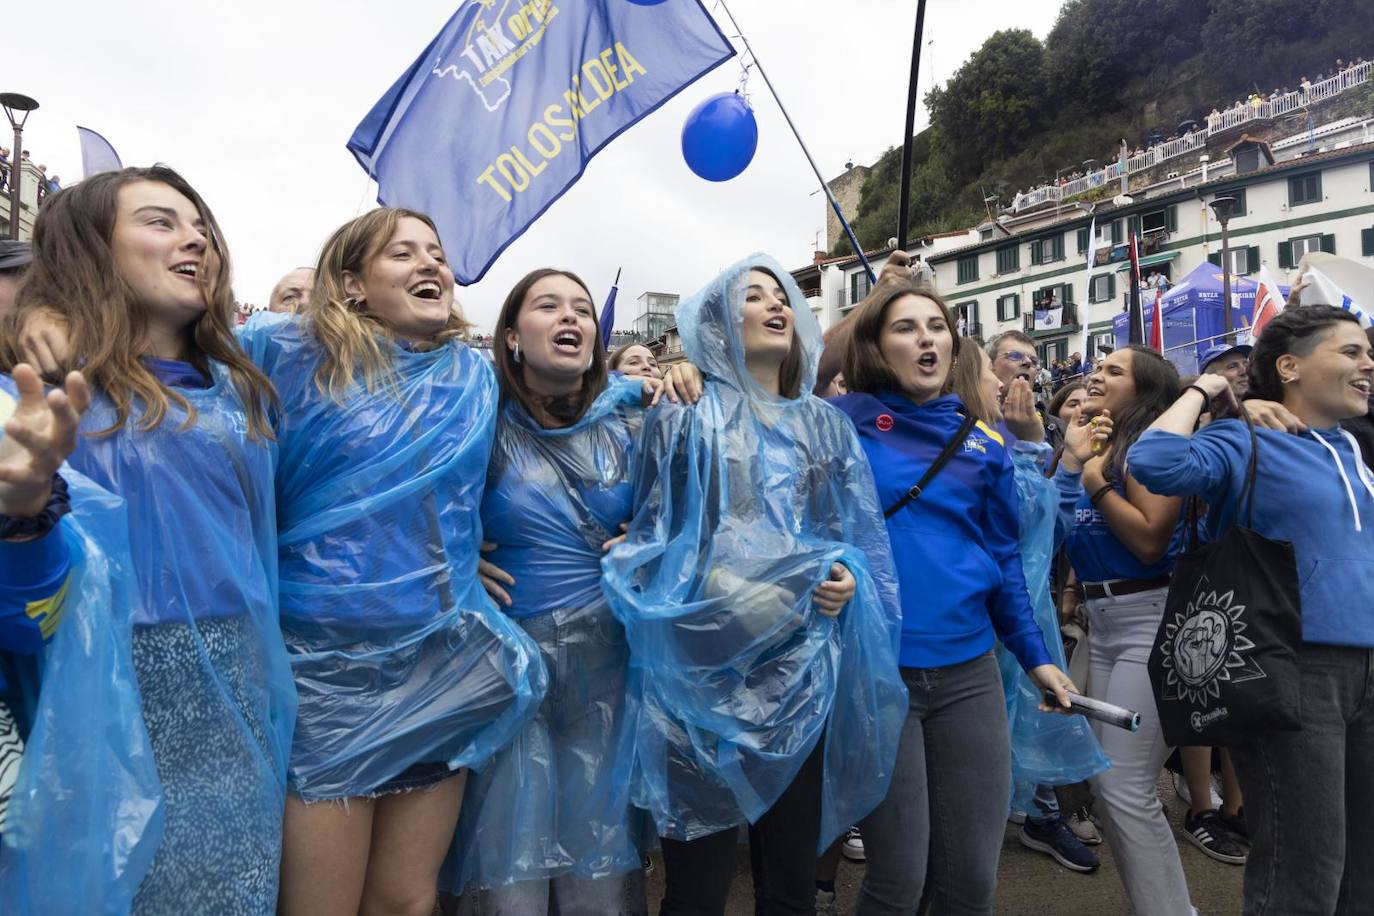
{"x":253,"y":101}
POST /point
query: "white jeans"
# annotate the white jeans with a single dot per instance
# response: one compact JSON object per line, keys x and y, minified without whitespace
{"x":1120,"y":633}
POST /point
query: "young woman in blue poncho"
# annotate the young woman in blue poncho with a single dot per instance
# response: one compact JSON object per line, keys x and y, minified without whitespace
{"x":549,"y":827}
{"x":406,"y":671}
{"x":956,"y":547}
{"x":184,"y":630}
{"x":759,"y":602}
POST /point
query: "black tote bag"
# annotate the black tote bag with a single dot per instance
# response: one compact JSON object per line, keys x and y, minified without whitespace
{"x":1224,"y":663}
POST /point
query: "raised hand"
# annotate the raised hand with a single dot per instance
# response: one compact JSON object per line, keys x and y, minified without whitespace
{"x":40,"y":434}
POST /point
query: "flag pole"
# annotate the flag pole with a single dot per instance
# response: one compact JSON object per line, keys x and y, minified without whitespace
{"x":904,"y":196}
{"x":834,"y":204}
{"x":1137,"y":314}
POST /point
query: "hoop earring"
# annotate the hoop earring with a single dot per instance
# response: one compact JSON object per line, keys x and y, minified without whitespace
{"x":355,"y":303}
{"x":1288,"y":381}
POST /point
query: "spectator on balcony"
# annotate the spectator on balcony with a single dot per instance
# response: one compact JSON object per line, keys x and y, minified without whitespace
{"x":962,"y":324}
{"x":4,"y":168}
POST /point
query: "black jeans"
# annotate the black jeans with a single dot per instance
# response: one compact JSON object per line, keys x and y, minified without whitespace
{"x":782,"y":854}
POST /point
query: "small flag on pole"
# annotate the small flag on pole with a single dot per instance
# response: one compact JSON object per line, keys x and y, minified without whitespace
{"x":1084,"y":336}
{"x":608,"y":312}
{"x":1268,"y":303}
{"x":1157,"y":323}
{"x":97,"y":155}
{"x":1137,"y":316}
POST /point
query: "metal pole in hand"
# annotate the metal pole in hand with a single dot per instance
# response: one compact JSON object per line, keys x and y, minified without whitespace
{"x":1223,"y":207}
{"x":904,"y":196}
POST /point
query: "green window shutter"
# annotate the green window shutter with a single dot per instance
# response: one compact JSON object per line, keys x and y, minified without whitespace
{"x":1059,"y":247}
{"x":1115,"y":234}
{"x":1082,"y":241}
{"x":1252,"y":259}
{"x":1215,"y":258}
{"x":1171,"y":218}
{"x":1133,"y":225}
{"x":1329,"y":243}
{"x":1285,"y":255}
{"x":1066,"y":294}
{"x":1016,"y":305}
{"x":1036,"y":252}
{"x":1367,"y":240}
{"x":1111,"y":286}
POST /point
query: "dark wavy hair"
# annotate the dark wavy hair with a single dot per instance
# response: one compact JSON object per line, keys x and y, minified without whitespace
{"x":1295,"y":331}
{"x":1062,"y":395}
{"x":1157,"y":386}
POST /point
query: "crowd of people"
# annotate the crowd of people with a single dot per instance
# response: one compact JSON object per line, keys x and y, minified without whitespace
{"x":329,"y":613}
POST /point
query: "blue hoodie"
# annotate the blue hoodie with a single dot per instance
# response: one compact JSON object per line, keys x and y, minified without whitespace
{"x":1312,"y":490}
{"x":955,"y":547}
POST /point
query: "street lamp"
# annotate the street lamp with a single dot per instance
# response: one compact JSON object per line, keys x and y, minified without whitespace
{"x":1223,"y":207}
{"x":16,"y":104}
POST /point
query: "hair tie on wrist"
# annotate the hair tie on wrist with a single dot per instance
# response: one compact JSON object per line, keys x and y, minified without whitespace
{"x":1206,"y":398}
{"x":1101,"y":492}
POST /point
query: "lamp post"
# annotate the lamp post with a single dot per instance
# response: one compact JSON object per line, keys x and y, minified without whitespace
{"x":1223,"y":207}
{"x":20,"y":106}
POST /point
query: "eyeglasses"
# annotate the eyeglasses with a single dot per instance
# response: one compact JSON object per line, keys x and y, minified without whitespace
{"x":1016,"y":356}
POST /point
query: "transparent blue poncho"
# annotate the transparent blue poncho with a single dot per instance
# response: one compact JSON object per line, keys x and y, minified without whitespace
{"x":557,"y":801}
{"x":155,"y":775}
{"x":744,"y":500}
{"x":1046,"y":748}
{"x":399,"y":655}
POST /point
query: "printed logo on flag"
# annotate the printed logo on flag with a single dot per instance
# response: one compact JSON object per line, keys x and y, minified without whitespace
{"x":1204,"y":646}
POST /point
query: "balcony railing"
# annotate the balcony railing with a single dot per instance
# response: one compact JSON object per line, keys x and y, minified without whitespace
{"x":1222,"y":121}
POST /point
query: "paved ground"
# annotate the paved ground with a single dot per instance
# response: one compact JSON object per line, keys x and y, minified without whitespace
{"x":1032,"y":884}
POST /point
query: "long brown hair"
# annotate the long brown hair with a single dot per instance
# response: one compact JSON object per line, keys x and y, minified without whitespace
{"x":790,"y":369}
{"x":74,"y":274}
{"x":863,"y":365}
{"x":355,"y":341}
{"x":511,"y":374}
{"x":966,"y":377}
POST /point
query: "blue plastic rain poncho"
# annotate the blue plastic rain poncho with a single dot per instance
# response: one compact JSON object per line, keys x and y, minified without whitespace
{"x":399,"y":656}
{"x":170,"y":644}
{"x":1046,"y":749}
{"x":558,"y":800}
{"x":744,"y":500}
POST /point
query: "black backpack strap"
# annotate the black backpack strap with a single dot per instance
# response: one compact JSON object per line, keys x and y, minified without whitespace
{"x":950,"y":447}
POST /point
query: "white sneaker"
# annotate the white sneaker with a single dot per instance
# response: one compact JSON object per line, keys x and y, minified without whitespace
{"x":825,"y":903}
{"x":853,"y":848}
{"x":1181,"y":790}
{"x":1081,"y":823}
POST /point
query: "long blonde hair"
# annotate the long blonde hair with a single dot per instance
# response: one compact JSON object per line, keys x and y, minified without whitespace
{"x":357,"y":342}
{"x":74,"y":274}
{"x":967,"y":378}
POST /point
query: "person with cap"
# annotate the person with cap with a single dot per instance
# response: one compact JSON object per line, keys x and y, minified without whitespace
{"x":1231,"y":361}
{"x":14,"y":260}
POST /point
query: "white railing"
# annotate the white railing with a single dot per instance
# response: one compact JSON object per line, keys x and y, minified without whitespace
{"x":1222,"y":121}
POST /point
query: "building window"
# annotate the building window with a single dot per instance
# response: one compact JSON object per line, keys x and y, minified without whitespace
{"x":1305,"y":189}
{"x":969,"y":312}
{"x":984,"y":235}
{"x":1291,"y":251}
{"x":1008,"y":307}
{"x":1162,"y":220}
{"x":1302,"y":246}
{"x":1009,"y":259}
{"x":1048,"y":249}
{"x":858,"y":286}
{"x":968,"y":269}
{"x":1243,"y":260}
{"x":1240,"y":208}
{"x":1102,"y":288}
{"x":1367,"y":242}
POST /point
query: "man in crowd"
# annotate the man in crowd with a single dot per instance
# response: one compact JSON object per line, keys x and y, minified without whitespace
{"x":14,"y":260}
{"x":1232,"y":362}
{"x":292,"y":292}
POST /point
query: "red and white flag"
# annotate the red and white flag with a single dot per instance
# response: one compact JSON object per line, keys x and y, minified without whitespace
{"x":1157,"y":323}
{"x":1268,"y":303}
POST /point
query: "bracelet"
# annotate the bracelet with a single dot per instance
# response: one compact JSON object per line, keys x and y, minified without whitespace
{"x":1101,"y":492}
{"x":1206,"y":398}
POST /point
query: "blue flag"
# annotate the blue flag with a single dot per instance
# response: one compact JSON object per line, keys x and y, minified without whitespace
{"x":97,"y":155}
{"x":503,"y":109}
{"x":608,"y":313}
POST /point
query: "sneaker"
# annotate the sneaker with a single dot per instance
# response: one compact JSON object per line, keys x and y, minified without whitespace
{"x":1181,"y":790}
{"x":1083,"y":827}
{"x":825,"y":903}
{"x":853,"y":848}
{"x":1055,"y":839}
{"x":1208,"y":832}
{"x":1236,"y":824}
{"x":1017,"y":817}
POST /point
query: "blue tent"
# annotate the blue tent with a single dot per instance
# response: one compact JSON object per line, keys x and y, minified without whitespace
{"x":1192,"y":314}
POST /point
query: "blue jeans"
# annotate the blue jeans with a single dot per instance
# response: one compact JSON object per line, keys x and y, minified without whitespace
{"x":946,"y":810}
{"x":1309,"y":795}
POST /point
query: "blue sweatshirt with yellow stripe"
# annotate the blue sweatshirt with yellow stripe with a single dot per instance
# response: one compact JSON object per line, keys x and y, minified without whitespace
{"x":956,"y":547}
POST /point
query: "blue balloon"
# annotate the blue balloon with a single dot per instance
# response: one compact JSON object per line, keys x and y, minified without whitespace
{"x":720,"y":136}
{"x":646,"y":2}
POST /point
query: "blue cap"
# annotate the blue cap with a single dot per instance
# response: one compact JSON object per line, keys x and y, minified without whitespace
{"x":1217,"y":351}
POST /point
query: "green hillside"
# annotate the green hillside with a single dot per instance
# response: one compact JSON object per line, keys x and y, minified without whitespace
{"x":1019,"y":109}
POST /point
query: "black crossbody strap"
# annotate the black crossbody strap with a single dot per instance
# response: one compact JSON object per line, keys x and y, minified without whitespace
{"x":950,"y":447}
